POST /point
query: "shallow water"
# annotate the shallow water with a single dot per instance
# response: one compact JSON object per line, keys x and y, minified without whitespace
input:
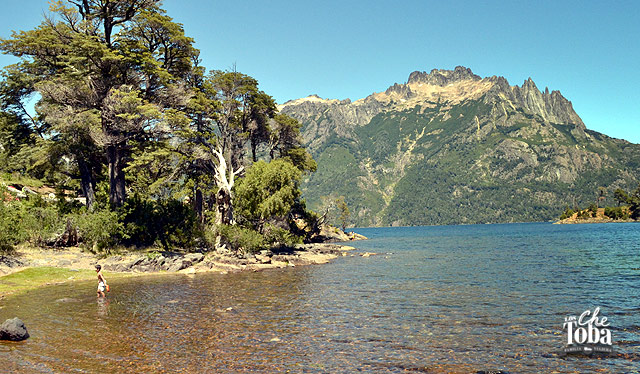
{"x":441,"y":299}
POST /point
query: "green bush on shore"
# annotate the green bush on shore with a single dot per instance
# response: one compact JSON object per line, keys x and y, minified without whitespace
{"x":139,"y":223}
{"x":616,"y":212}
{"x":239,"y":239}
{"x":10,"y":232}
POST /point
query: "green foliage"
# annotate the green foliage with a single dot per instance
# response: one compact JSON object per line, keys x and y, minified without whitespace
{"x":31,"y":219}
{"x":593,"y":208}
{"x":345,"y":214}
{"x":41,"y":224}
{"x":621,"y":196}
{"x":11,"y":232}
{"x":616,"y":212}
{"x":279,"y":237}
{"x":634,"y":204}
{"x":568,"y":213}
{"x":100,"y":230}
{"x":238,"y":238}
{"x":169,"y":223}
{"x":123,"y":108}
{"x":268,"y":191}
{"x":177,"y":225}
{"x":335,"y":211}
{"x":584,"y":214}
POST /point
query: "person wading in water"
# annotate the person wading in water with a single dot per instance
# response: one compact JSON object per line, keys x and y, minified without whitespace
{"x":102,"y":283}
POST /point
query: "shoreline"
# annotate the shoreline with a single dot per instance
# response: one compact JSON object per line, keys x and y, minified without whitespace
{"x":30,"y":268}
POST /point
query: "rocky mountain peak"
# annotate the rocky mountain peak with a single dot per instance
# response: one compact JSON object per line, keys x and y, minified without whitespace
{"x":552,"y":107}
{"x":440,"y":77}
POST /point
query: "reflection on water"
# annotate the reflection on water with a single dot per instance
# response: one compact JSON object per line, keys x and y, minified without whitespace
{"x":444,"y":299}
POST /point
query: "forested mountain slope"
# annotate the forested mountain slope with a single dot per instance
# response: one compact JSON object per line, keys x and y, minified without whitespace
{"x":450,"y":147}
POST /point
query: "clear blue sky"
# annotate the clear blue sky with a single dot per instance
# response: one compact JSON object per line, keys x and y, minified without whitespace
{"x":589,"y":50}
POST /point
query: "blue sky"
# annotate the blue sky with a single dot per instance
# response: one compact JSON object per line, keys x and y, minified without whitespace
{"x":589,"y":50}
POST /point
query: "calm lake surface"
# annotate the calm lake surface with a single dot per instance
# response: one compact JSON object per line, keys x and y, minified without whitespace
{"x":458,"y":299}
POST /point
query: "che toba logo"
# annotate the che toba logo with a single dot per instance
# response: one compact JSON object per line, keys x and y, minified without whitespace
{"x":588,"y":333}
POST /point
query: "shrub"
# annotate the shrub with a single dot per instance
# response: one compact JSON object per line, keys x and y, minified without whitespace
{"x":584,"y":214}
{"x":616,"y":213}
{"x":167,"y":222}
{"x":176,"y":225}
{"x":277,"y":236}
{"x":593,"y":208}
{"x":11,"y":232}
{"x":138,"y":220}
{"x":41,"y":224}
{"x":239,"y":239}
{"x":568,"y":212}
{"x":100,"y":229}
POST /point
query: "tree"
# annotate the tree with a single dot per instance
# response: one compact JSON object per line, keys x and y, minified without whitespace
{"x":602,"y":194}
{"x":118,"y":66}
{"x":634,"y":204}
{"x":268,"y":193}
{"x":285,"y":141}
{"x":345,"y":214}
{"x":335,"y":211}
{"x":229,"y":117}
{"x":621,"y":196}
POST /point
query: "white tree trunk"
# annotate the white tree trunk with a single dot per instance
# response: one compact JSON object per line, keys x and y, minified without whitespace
{"x":225,"y":179}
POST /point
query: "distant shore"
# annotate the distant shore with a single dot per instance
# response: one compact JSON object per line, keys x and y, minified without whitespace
{"x":599,"y":218}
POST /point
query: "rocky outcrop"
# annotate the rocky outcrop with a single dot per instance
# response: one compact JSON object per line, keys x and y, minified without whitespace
{"x":13,"y":330}
{"x":151,"y":262}
{"x":9,"y":263}
{"x":443,"y":77}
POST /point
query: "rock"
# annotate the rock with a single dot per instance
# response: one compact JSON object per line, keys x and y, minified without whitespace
{"x":263,"y":259}
{"x":356,"y":236}
{"x":179,"y":264}
{"x":67,"y":300}
{"x":194,"y":258}
{"x":14,"y":330}
{"x":64,"y":263}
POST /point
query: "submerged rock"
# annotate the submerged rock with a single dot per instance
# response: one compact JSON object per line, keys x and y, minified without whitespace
{"x":14,"y":330}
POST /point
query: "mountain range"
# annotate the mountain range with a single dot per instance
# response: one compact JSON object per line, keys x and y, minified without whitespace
{"x":451,"y":147}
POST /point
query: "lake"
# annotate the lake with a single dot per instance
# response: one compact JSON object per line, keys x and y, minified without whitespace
{"x":458,"y":299}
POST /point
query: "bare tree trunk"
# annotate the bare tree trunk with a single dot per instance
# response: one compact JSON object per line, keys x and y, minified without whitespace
{"x":225,"y":179}
{"x":87,"y":182}
{"x":115,"y":158}
{"x":198,"y":204}
{"x":224,"y":215}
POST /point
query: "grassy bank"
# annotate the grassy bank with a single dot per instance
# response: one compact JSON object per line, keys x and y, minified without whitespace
{"x":31,"y":278}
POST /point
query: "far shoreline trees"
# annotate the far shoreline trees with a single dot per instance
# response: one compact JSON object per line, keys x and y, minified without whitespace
{"x":628,"y":207}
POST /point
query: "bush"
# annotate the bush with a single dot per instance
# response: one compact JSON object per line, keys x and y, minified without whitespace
{"x":138,"y":220}
{"x":276,"y":236}
{"x":169,"y":223}
{"x":176,"y":225}
{"x":41,"y":224}
{"x":11,"y":232}
{"x":584,"y":214}
{"x":568,"y":212}
{"x":40,"y":220}
{"x":239,"y":239}
{"x":593,"y":208}
{"x":100,"y":229}
{"x":616,"y":213}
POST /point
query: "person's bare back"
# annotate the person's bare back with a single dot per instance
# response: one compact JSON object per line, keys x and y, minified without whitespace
{"x":102,"y":283}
